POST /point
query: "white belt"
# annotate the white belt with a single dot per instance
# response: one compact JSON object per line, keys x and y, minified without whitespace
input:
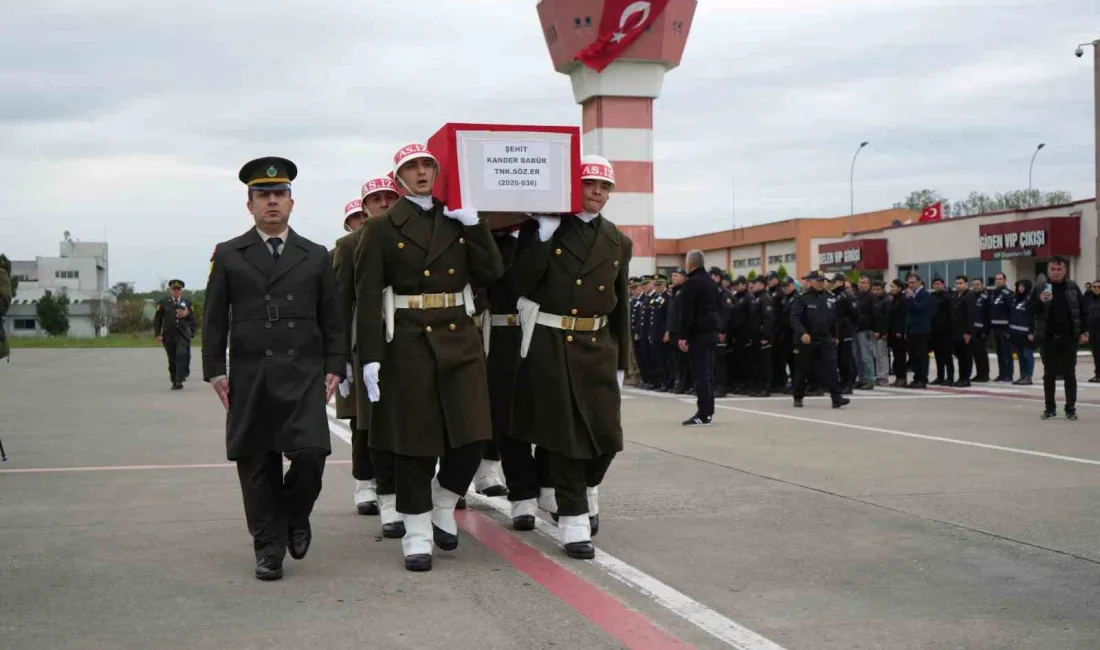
{"x":429,"y":301}
{"x":505,"y":320}
{"x":571,"y":323}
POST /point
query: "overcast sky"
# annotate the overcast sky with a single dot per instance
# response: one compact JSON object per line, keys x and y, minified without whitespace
{"x":132,"y":117}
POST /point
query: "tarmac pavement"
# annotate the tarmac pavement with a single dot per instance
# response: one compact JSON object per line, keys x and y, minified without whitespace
{"x":931,"y":519}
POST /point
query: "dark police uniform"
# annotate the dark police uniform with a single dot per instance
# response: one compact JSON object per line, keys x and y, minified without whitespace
{"x":761,"y":331}
{"x":658,"y":327}
{"x":814,"y":313}
{"x":978,"y":349}
{"x":176,"y":332}
{"x":942,"y":339}
{"x":783,"y":349}
{"x":1002,"y":302}
{"x":275,"y":304}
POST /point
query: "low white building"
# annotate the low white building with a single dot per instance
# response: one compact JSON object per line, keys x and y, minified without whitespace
{"x":80,"y":271}
{"x":1016,"y":242}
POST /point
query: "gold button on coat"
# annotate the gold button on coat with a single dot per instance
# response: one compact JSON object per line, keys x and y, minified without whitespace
{"x":427,"y":272}
{"x":601,"y":287}
{"x":450,"y":271}
{"x":579,"y":283}
{"x":400,"y":244}
{"x":593,"y":339}
{"x":452,"y":326}
{"x":428,"y":328}
{"x":462,"y":240}
{"x":557,"y":251}
{"x":569,"y":338}
{"x":574,"y":312}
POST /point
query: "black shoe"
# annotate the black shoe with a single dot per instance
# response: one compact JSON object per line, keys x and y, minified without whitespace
{"x":580,"y":550}
{"x":939,"y":381}
{"x":1071,"y":414}
{"x":444,"y":540}
{"x":177,"y":386}
{"x":523,"y":522}
{"x":420,"y":562}
{"x":495,"y":491}
{"x":1022,"y":381}
{"x":918,"y":385}
{"x":962,"y":383}
{"x":395,"y":530}
{"x":697,"y":421}
{"x":269,"y":568}
{"x":461,"y":505}
{"x":797,"y":403}
{"x":844,"y":401}
{"x":1049,"y":413}
{"x":367,"y":508}
{"x":594,"y":521}
{"x":1095,"y":380}
{"x":298,"y":542}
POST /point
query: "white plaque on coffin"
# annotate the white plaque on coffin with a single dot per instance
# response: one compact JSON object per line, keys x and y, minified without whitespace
{"x":515,"y":171}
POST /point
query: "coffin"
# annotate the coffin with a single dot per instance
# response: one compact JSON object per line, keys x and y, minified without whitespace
{"x":506,"y":171}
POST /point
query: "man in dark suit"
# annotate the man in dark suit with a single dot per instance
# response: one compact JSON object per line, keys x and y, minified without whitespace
{"x":174,"y":325}
{"x":572,"y":271}
{"x":919,"y":328}
{"x":699,"y":323}
{"x":274,"y":293}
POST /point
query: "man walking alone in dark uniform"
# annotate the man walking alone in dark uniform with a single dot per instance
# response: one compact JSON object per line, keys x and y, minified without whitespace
{"x":174,"y":325}
{"x":815,"y":328}
{"x":274,"y":293}
{"x":699,"y":334}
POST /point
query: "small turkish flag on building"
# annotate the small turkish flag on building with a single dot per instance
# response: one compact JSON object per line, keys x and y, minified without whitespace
{"x":623,"y":21}
{"x":933,"y":212}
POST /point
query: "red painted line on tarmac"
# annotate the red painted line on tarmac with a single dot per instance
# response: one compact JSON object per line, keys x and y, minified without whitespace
{"x":631,"y":628}
{"x":131,"y":468}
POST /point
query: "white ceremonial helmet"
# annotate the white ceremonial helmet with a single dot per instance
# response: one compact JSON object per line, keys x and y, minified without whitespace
{"x":597,"y":168}
{"x":350,"y":210}
{"x":411,"y":152}
{"x":375,"y":185}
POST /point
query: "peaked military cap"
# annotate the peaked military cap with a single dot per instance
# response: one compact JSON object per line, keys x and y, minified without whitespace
{"x":175,"y":284}
{"x":268,"y":173}
{"x":714,"y":270}
{"x":635,"y":282}
{"x":813,"y":275}
{"x":773,"y":275}
{"x":741,"y":280}
{"x":660,"y":278}
{"x":839,"y":277}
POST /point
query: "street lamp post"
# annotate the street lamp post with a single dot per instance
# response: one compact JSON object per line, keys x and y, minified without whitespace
{"x":1032,"y":166}
{"x":852,"y":187}
{"x":1096,"y":109}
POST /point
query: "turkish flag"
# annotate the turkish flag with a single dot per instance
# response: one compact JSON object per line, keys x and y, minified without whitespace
{"x":623,"y":21}
{"x":933,"y":212}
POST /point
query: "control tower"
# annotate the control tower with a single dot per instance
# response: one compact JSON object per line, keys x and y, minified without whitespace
{"x":617,"y":53}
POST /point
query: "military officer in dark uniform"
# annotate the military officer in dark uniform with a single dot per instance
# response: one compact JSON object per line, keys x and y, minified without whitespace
{"x":575,"y":316}
{"x":424,"y":360}
{"x":174,"y":325}
{"x":272,"y":294}
{"x":658,"y":328}
{"x":814,"y":324}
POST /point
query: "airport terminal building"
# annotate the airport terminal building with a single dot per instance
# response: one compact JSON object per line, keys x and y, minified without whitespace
{"x":1018,"y":243}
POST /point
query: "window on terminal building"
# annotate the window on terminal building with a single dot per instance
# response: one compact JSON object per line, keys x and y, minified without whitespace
{"x":739,"y":264}
{"x":775,"y":259}
{"x":753,"y":261}
{"x":22,"y":324}
{"x":946,"y":270}
{"x":789,"y":257}
{"x":66,"y":275}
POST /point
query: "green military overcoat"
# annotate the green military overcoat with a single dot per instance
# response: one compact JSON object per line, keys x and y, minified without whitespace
{"x":356,"y":405}
{"x":432,"y":377}
{"x":567,"y":393}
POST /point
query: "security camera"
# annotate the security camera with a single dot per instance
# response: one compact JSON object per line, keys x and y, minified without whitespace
{"x":1079,"y":52}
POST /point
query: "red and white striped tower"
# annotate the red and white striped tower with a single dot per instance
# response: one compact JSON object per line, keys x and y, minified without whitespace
{"x":617,"y":102}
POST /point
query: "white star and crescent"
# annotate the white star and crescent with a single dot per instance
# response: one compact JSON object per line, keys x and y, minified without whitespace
{"x":642,"y":7}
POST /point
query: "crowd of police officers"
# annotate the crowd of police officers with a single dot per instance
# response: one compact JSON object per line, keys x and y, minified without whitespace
{"x":858,"y":335}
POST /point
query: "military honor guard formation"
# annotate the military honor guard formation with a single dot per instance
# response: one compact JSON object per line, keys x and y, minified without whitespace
{"x":459,"y":353}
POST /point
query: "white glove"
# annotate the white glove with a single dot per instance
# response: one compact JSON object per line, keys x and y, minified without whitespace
{"x":547,"y":226}
{"x":465,"y":216}
{"x":345,"y":386}
{"x":370,"y":378}
{"x":621,"y":376}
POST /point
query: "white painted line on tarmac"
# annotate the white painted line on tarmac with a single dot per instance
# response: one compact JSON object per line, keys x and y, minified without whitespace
{"x":722,"y":628}
{"x":906,"y":434}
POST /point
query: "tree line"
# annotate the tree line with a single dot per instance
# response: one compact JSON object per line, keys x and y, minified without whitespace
{"x":982,"y":202}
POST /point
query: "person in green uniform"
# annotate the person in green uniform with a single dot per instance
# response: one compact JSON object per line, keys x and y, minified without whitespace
{"x":174,"y":325}
{"x":274,"y":293}
{"x":575,"y":315}
{"x":424,"y":364}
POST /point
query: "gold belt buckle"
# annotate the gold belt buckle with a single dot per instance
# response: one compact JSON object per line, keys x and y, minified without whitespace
{"x":414,"y":302}
{"x":586,"y":324}
{"x":568,"y":323}
{"x":513,"y":320}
